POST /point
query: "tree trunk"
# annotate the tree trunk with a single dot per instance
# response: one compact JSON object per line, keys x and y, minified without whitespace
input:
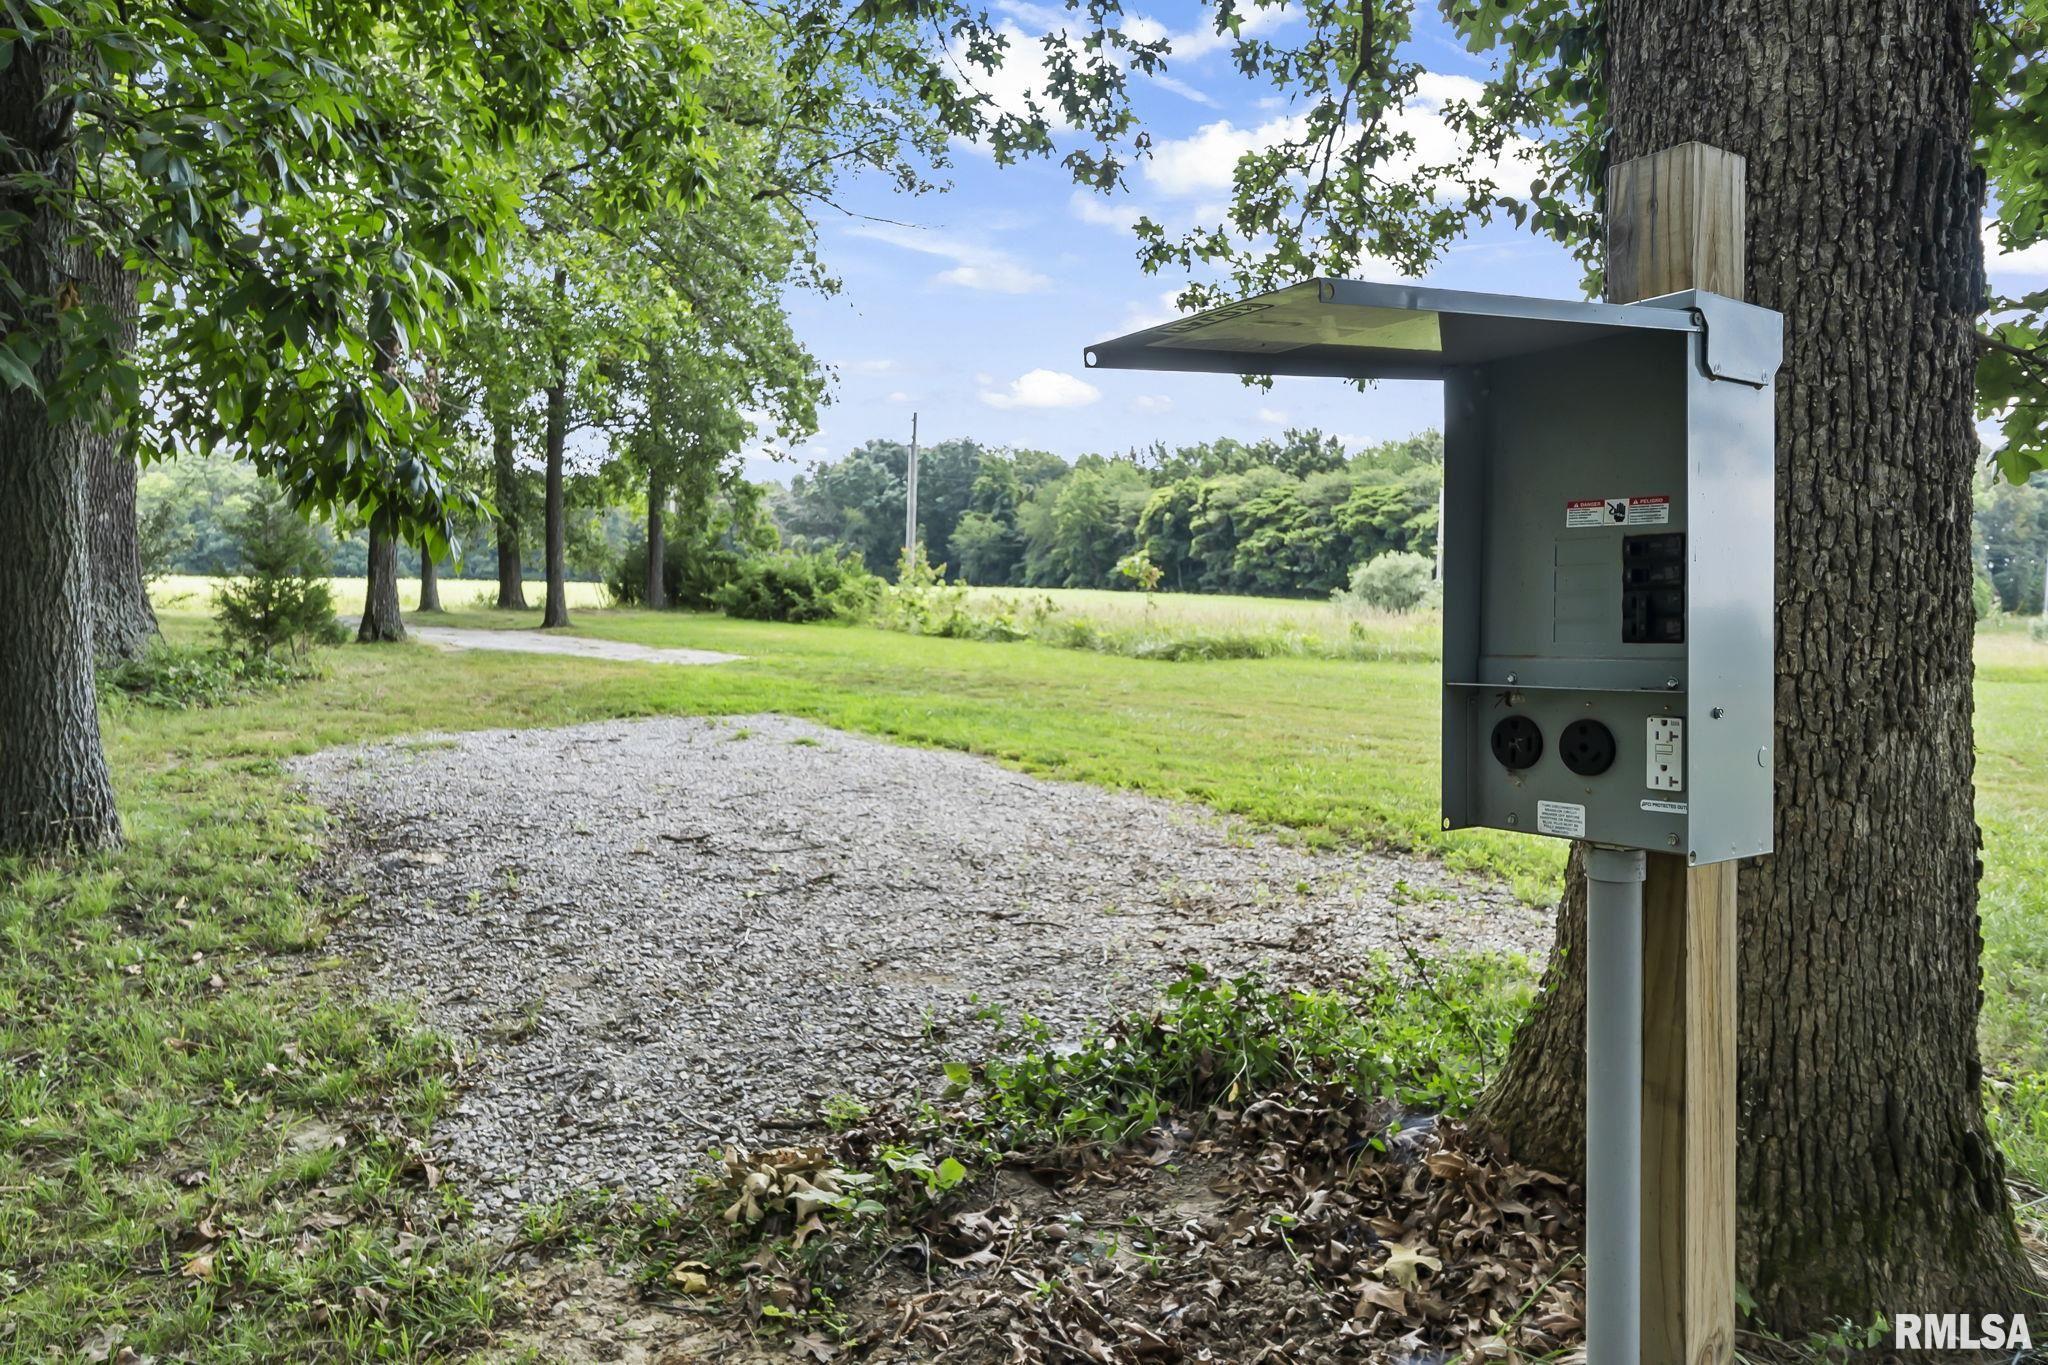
{"x":123,"y":622}
{"x":381,"y":620}
{"x":55,"y":791}
{"x":557,"y":611}
{"x":430,"y":580}
{"x":657,"y":544}
{"x":1867,"y":1179}
{"x":511,"y":586}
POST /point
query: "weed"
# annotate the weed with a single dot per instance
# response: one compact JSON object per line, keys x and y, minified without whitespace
{"x":184,"y":676}
{"x":1217,"y":1040}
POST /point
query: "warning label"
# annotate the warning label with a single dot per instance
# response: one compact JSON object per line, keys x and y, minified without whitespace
{"x":1639,"y":510}
{"x":1561,"y":818}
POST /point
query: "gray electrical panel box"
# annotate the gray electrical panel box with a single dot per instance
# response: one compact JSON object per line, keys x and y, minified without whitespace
{"x":1609,"y":541}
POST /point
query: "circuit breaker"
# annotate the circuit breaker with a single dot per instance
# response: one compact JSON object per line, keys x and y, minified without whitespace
{"x":1608,"y":540}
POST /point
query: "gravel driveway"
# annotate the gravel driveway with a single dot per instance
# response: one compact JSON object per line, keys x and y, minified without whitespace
{"x":541,"y":642}
{"x":662,"y":935}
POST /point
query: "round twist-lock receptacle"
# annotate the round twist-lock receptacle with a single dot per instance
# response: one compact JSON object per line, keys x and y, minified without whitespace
{"x":1517,"y":743}
{"x":1587,"y":747}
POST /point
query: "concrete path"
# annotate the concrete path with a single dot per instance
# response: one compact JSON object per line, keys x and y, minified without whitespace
{"x":537,"y":642}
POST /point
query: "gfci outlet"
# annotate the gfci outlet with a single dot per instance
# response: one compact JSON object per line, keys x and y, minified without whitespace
{"x":1664,"y":769}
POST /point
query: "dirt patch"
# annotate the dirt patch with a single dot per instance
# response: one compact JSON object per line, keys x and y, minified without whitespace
{"x":670,"y":935}
{"x":1307,"y":1226}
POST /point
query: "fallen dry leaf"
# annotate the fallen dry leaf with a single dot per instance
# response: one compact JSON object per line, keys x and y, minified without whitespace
{"x":199,"y":1267}
{"x":1374,"y":1297}
{"x":816,"y":1347}
{"x":1405,"y":1264}
{"x":690,"y":1278}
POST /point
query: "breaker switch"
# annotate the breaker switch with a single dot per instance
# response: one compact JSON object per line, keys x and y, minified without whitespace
{"x":1653,"y":589}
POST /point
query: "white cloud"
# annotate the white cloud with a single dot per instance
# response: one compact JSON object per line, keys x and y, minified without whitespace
{"x":994,"y":277}
{"x":1180,"y":87}
{"x":899,"y":396}
{"x":1020,"y":78}
{"x":1152,"y":402}
{"x":1090,"y":207}
{"x":1043,"y":389}
{"x":2029,"y":261}
{"x":1141,"y":314}
{"x":976,"y":266}
{"x":873,"y":365}
{"x":1205,"y":162}
{"x":1200,"y":41}
{"x":1273,"y":417}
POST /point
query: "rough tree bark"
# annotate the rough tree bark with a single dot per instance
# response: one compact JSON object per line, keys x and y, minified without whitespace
{"x":123,"y":622}
{"x":55,"y":791}
{"x":557,"y":610}
{"x":1867,"y":1180}
{"x":381,"y":619}
{"x":505,"y":474}
{"x":657,"y":545}
{"x":430,"y":580}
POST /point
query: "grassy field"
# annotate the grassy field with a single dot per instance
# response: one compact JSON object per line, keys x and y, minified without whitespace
{"x":206,"y":1152}
{"x":188,"y":594}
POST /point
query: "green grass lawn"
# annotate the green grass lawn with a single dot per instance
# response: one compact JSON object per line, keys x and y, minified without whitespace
{"x":207,"y":1152}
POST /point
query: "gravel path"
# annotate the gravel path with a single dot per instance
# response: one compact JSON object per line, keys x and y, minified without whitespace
{"x":666,"y":934}
{"x":583,"y":647}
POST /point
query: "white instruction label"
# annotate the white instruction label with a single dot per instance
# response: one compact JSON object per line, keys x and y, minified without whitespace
{"x":1561,"y":818}
{"x":1663,"y":807}
{"x":1636,"y":510}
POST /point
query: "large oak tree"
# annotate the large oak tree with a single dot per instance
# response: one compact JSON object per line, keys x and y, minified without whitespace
{"x":1868,"y":1179}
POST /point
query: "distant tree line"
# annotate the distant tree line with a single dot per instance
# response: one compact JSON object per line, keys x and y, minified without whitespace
{"x":189,"y":508}
{"x":2011,"y":534}
{"x":1285,"y":517}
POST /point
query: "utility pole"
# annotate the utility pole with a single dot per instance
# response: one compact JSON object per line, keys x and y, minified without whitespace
{"x":910,"y":501}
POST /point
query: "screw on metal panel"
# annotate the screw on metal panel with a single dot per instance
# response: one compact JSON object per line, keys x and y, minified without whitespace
{"x":1514,"y":820}
{"x":1514,"y":678}
{"x":1718,"y":712}
{"x":1671,"y":839}
{"x":1763,"y":758}
{"x":1671,"y":683}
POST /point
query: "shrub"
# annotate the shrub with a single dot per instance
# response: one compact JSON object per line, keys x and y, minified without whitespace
{"x":692,"y":572}
{"x":183,"y":676}
{"x":819,"y":586}
{"x":1983,"y":596}
{"x":280,"y":600}
{"x":1398,"y":582}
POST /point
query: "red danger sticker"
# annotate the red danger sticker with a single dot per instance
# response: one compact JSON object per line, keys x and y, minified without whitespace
{"x":1640,"y":509}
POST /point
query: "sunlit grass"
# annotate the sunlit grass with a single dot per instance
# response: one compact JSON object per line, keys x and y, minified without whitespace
{"x":194,"y":594}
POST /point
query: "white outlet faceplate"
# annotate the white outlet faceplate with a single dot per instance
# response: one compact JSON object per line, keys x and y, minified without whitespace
{"x":1664,"y":769}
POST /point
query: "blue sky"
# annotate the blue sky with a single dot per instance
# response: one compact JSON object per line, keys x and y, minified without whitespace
{"x":971,"y":307}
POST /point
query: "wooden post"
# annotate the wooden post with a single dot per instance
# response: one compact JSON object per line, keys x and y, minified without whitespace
{"x":1675,"y":222}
